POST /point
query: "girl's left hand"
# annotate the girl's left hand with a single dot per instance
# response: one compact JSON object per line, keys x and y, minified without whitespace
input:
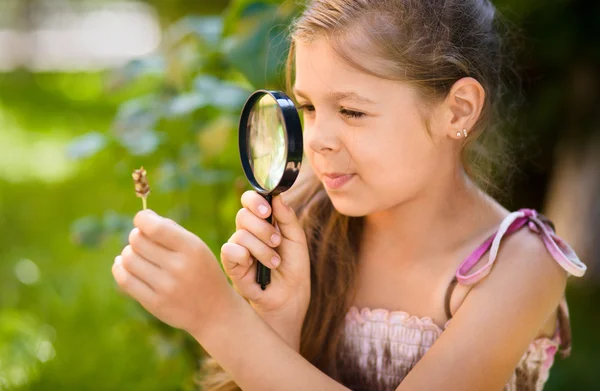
{"x":171,"y":272}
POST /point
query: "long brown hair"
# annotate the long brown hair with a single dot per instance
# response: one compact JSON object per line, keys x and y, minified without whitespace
{"x":429,"y":44}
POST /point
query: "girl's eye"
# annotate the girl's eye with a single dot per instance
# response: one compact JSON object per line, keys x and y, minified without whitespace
{"x":309,"y":108}
{"x":351,"y":113}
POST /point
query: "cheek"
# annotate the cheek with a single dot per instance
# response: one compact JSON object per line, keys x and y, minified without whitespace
{"x":397,"y":163}
{"x":308,"y":152}
{"x":401,"y":151}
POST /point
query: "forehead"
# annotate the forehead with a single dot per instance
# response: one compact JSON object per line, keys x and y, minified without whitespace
{"x":319,"y":67}
{"x":321,"y":70}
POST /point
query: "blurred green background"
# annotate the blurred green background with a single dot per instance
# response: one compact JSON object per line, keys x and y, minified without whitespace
{"x":90,"y":90}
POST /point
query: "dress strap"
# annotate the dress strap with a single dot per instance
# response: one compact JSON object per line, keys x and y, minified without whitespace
{"x":558,"y":248}
{"x":564,"y":328}
{"x":449,"y":291}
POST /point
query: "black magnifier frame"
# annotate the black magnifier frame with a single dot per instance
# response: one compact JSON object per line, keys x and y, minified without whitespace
{"x":290,"y":120}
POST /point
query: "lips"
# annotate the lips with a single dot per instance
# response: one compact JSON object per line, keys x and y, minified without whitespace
{"x":336,"y":180}
{"x":334,"y":174}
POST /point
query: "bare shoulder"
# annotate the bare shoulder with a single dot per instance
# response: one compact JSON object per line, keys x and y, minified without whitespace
{"x":524,"y":269}
{"x":525,"y":265}
{"x":498,"y":319}
{"x":525,"y":283}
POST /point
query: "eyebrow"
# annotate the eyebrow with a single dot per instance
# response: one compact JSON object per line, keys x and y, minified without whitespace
{"x":337,"y":96}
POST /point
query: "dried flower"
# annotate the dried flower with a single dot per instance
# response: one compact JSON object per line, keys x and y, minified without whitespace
{"x":142,"y":188}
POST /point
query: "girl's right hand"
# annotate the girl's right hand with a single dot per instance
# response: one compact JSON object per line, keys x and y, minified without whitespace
{"x":284,"y":303}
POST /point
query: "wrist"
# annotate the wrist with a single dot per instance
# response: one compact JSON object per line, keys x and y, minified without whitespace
{"x":286,"y":320}
{"x":227,"y":311}
{"x":237,"y":338}
{"x":287,"y":326}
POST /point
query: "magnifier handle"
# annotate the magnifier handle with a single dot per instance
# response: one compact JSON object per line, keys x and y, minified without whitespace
{"x":263,"y":273}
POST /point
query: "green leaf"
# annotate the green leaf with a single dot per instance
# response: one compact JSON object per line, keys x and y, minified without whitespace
{"x":141,"y":142}
{"x":119,"y":225}
{"x":151,"y":65}
{"x":170,"y":178}
{"x":87,"y":231}
{"x":258,"y":42}
{"x":87,"y":145}
{"x":142,"y":112}
{"x":114,"y":222}
{"x":221,"y":94}
{"x":240,"y":10}
{"x":209,"y":29}
{"x":211,"y":176}
{"x":185,"y":104}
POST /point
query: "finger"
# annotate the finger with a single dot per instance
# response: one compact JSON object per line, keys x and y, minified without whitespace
{"x":132,"y":285}
{"x":236,"y":260}
{"x":265,"y":254}
{"x":287,"y":221}
{"x":242,"y":270}
{"x":162,"y":231}
{"x":245,"y":219}
{"x":141,"y":268}
{"x":256,"y":204}
{"x":148,"y":249}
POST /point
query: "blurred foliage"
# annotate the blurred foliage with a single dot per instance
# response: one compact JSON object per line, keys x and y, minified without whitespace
{"x":180,"y":112}
{"x":67,"y":198}
{"x":63,"y":323}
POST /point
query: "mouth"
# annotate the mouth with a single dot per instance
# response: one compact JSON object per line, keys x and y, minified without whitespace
{"x":335,"y":181}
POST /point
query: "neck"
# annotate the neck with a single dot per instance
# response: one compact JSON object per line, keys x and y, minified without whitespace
{"x":445,"y":215}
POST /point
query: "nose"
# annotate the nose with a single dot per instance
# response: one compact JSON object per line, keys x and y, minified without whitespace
{"x":321,"y":137}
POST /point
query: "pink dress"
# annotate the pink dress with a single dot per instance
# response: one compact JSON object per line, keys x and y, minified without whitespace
{"x":381,"y":347}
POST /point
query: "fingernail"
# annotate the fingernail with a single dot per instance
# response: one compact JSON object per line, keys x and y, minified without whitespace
{"x":275,"y":239}
{"x":275,"y":261}
{"x":117,"y":260}
{"x":263,"y":209}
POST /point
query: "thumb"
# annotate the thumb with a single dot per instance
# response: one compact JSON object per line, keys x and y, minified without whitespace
{"x":287,"y":221}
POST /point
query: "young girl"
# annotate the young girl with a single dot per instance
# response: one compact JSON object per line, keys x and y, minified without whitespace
{"x":399,"y":272}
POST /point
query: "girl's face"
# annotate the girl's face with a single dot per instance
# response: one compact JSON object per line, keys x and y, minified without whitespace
{"x":364,"y":136}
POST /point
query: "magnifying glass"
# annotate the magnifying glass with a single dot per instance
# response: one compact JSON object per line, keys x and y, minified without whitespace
{"x":270,"y":143}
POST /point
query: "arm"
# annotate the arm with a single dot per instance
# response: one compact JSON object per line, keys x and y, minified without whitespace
{"x":496,"y":322}
{"x":287,"y":329}
{"x":175,"y":276}
{"x":284,"y":303}
{"x":479,"y":351}
{"x":255,"y":356}
{"x":168,"y":270}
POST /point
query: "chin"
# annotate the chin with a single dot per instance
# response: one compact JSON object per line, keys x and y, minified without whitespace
{"x":349,"y":207}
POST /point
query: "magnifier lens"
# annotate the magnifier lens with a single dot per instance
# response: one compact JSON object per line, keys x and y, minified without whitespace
{"x":267,"y":143}
{"x":270,"y":145}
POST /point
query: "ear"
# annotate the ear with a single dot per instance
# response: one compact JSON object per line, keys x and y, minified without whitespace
{"x":463,"y":106}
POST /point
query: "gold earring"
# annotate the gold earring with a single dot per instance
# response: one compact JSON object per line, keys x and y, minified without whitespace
{"x":465,"y":133}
